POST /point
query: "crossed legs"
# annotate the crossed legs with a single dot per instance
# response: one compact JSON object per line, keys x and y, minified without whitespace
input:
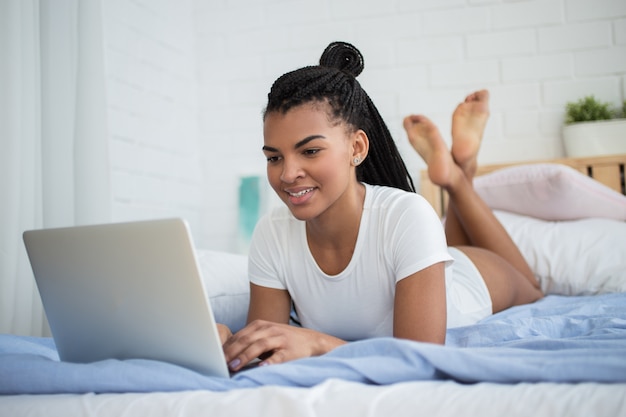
{"x":470,"y":224}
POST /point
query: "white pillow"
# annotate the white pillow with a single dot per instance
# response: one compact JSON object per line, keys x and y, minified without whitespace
{"x":225,"y":277}
{"x":579,"y":257}
{"x":549,"y":192}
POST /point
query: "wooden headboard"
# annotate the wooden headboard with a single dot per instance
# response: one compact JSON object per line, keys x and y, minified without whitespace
{"x":609,"y":170}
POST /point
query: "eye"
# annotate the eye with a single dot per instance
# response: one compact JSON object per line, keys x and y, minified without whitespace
{"x":311,"y":152}
{"x":272,"y":159}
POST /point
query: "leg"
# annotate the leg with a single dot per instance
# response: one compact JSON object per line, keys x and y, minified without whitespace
{"x":426,"y":140}
{"x":468,"y":124}
{"x":504,"y":269}
{"x":473,"y":219}
{"x":507,"y":286}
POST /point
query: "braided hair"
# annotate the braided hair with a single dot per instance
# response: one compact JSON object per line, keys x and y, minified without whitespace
{"x":334,"y":82}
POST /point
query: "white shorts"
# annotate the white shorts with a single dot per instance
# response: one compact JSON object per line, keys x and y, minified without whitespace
{"x":467,"y":296}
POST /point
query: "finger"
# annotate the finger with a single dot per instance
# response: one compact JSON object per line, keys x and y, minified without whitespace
{"x":247,"y":356}
{"x":252,"y":349}
{"x":241,"y":340}
{"x":276,"y":357}
{"x":224,"y":333}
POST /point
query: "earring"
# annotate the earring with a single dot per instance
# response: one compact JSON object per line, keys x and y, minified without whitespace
{"x":356,"y":161}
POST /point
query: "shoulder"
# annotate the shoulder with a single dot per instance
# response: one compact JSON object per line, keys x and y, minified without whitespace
{"x":398,"y":213}
{"x":277,"y":217}
{"x":272,"y":236}
{"x":394,"y":200}
{"x":277,"y":226}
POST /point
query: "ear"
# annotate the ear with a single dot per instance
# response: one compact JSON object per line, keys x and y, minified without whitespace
{"x":360,"y":145}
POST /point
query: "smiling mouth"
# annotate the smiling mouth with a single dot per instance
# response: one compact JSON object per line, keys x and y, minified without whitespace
{"x":300,"y":193}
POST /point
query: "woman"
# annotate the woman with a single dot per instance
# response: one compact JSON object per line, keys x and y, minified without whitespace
{"x":354,"y":249}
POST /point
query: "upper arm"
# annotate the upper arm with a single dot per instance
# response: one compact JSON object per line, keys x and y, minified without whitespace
{"x":269,"y":304}
{"x":420,"y":306}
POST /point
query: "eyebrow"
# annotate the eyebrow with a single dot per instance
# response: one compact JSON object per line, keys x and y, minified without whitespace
{"x":297,"y":145}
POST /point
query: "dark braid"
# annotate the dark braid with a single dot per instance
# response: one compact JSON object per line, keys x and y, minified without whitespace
{"x":334,"y":82}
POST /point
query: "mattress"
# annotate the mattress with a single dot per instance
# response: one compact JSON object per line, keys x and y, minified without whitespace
{"x":561,"y":356}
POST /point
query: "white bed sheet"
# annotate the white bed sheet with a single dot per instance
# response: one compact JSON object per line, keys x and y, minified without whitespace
{"x":341,"y":398}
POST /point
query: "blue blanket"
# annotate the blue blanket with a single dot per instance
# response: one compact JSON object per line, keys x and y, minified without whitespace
{"x":560,"y":339}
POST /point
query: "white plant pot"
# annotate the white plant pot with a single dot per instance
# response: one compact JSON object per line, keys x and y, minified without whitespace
{"x":603,"y":137}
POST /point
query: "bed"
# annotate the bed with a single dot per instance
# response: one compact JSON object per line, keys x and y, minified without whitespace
{"x":562,"y":356}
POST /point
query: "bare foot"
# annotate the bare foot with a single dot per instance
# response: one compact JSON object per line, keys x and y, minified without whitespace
{"x":427,"y":141}
{"x":468,"y":125}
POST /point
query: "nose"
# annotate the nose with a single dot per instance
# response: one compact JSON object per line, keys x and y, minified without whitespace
{"x":292,"y":170}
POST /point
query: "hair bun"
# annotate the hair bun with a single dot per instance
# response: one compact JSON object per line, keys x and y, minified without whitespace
{"x":344,"y":57}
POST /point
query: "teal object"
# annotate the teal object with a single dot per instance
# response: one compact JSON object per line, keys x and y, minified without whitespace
{"x":249,"y":205}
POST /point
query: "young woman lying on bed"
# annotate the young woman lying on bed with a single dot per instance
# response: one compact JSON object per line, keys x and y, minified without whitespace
{"x":355,"y":249}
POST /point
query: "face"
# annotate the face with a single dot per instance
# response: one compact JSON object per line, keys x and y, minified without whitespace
{"x":309,"y":159}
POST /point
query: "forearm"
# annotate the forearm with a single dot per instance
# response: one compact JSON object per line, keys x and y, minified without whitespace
{"x":324,"y":343}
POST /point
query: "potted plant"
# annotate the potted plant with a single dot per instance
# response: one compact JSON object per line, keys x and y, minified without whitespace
{"x":594,"y":128}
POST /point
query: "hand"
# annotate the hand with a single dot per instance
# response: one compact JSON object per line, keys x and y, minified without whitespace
{"x":275,"y":343}
{"x":224,"y":332}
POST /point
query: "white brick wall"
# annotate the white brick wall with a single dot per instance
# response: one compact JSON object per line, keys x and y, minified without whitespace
{"x":153,"y":112}
{"x":527,"y":14}
{"x":188,"y":81}
{"x":420,"y":56}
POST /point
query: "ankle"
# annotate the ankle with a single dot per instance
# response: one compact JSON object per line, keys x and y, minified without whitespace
{"x":469,"y":168}
{"x":457,"y":182}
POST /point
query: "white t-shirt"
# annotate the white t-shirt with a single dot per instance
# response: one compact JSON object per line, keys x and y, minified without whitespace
{"x":399,"y":234}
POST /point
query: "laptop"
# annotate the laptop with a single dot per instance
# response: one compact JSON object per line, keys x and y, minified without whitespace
{"x":126,"y":291}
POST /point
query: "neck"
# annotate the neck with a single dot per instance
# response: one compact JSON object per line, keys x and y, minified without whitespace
{"x":339,"y":226}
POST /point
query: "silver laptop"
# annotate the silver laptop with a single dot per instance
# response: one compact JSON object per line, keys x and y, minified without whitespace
{"x":126,"y":290}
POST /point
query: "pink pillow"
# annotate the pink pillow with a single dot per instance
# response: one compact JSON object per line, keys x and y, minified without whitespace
{"x":549,"y":192}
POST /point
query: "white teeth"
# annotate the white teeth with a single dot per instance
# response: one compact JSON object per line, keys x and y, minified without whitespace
{"x":301,"y":193}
